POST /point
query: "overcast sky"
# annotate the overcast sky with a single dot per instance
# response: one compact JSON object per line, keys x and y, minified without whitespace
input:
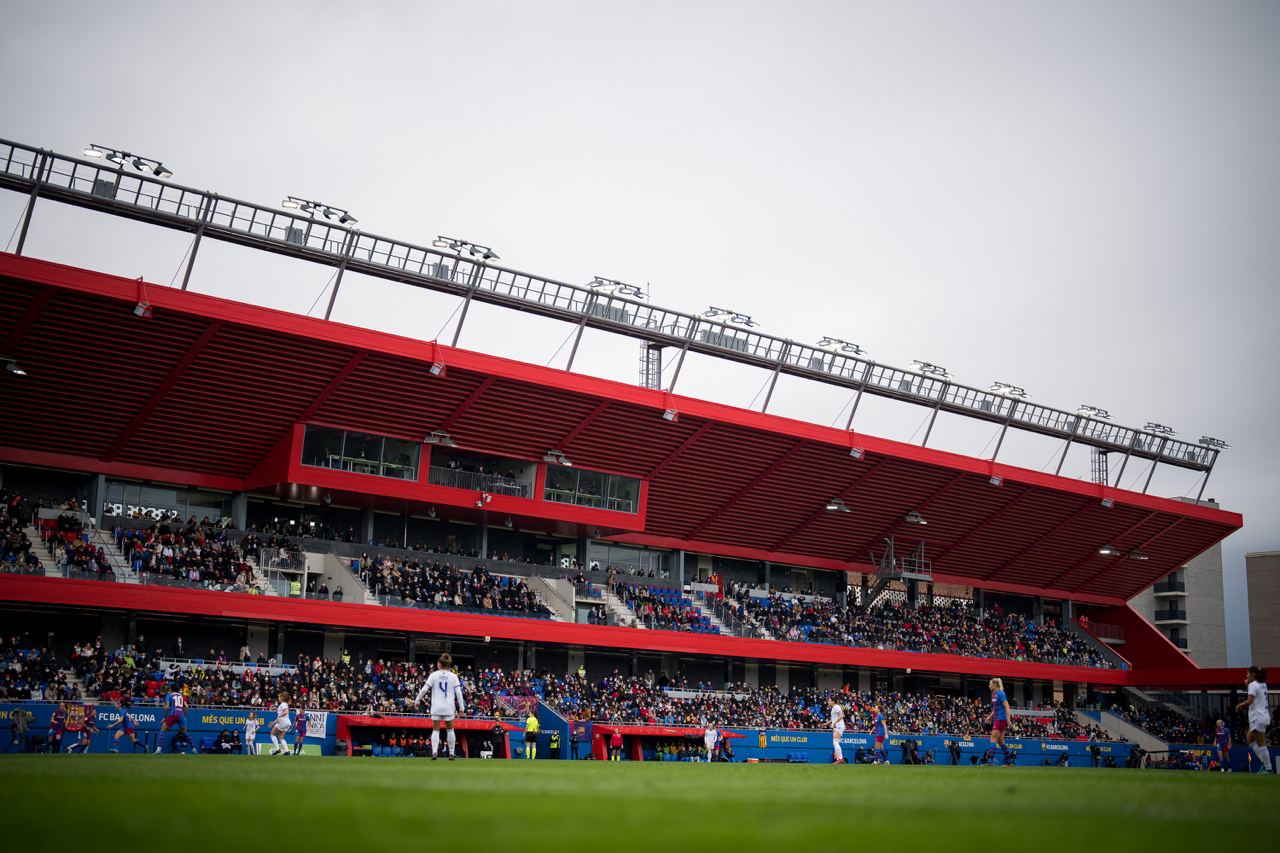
{"x":1081,"y":198}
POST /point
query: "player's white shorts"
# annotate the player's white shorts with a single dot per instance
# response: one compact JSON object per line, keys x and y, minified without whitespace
{"x":709,"y":742}
{"x":1259,"y":722}
{"x":442,"y":718}
{"x":282,"y":726}
{"x":837,"y":731}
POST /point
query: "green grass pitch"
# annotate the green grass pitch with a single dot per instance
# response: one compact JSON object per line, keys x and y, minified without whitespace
{"x":233,"y":804}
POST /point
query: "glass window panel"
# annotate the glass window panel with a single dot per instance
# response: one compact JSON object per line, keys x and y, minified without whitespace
{"x":362,"y":453}
{"x":400,"y":459}
{"x":322,"y":446}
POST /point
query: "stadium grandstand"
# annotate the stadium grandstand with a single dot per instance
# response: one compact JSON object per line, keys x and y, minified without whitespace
{"x":604,"y":557}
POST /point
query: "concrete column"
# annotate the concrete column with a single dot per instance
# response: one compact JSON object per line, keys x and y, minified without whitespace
{"x":977,"y":602}
{"x":366,"y":525}
{"x":484,"y":538}
{"x":783,"y":677}
{"x":768,"y":574}
{"x":751,"y":673}
{"x":678,"y":574}
{"x":1039,"y":609}
{"x":913,"y":592}
{"x":532,"y":657}
{"x":131,"y":632}
{"x":97,"y":495}
{"x":635,"y":663}
{"x":864,"y":681}
{"x":520,"y":656}
{"x":240,"y":510}
{"x":929,"y":593}
{"x":1068,"y":612}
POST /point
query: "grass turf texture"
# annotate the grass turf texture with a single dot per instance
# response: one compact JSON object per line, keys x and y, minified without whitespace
{"x":147,"y":802}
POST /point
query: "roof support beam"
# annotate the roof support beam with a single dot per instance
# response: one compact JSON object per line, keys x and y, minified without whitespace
{"x":679,"y":451}
{"x":864,"y":474}
{"x":980,"y":526}
{"x":1092,"y":553}
{"x":1144,"y":543}
{"x":937,"y":493}
{"x":334,"y":383}
{"x":472,"y":399}
{"x":1039,"y":540}
{"x":744,"y":491}
{"x":19,"y":330}
{"x":157,"y":397}
{"x":583,"y":424}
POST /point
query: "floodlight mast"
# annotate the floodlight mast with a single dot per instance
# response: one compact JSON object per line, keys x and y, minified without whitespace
{"x":479,"y":254}
{"x":43,"y":173}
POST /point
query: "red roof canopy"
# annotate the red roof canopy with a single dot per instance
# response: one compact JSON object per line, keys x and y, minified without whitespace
{"x":203,"y":391}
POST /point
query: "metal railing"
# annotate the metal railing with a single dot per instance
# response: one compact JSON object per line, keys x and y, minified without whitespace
{"x":1171,"y":615}
{"x":477,"y":482}
{"x":1165,"y":587}
{"x":107,"y":188}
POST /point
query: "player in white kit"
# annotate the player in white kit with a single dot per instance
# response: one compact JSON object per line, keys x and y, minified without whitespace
{"x":1259,"y":716}
{"x":251,"y":734}
{"x":281,"y":727}
{"x":709,"y":739}
{"x":446,"y":699}
{"x":837,"y":729}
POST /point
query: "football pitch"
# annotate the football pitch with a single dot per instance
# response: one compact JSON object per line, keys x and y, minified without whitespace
{"x":231,"y":803}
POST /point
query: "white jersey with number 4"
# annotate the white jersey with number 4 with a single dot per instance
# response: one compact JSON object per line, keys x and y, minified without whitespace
{"x":446,"y":694}
{"x":1259,"y":713}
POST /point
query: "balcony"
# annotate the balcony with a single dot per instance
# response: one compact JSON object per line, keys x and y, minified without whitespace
{"x":1171,"y":588}
{"x":476,"y":481}
{"x":1171,"y":615}
{"x":1180,"y":642}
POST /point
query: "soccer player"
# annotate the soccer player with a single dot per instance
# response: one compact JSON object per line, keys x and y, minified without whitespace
{"x":446,"y":700}
{"x":57,"y":726}
{"x":175,"y":715}
{"x":128,"y":726}
{"x":87,"y":730}
{"x":1259,"y":716}
{"x":709,"y":738}
{"x":280,"y":728}
{"x":836,"y":715}
{"x":880,"y":729}
{"x":299,"y":731}
{"x":998,"y":719}
{"x":1222,"y":740}
{"x":251,"y":724}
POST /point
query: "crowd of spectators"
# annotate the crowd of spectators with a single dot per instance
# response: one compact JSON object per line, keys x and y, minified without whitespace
{"x":30,"y":670}
{"x":198,"y":552}
{"x":16,"y":551}
{"x":953,"y":628}
{"x":435,"y":584}
{"x":383,"y":686}
{"x":663,"y":609}
{"x":1165,"y":724}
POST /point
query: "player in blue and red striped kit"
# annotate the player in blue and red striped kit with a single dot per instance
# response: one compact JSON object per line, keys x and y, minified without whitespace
{"x":999,"y":720}
{"x":880,"y":729}
{"x":127,"y":724}
{"x":175,"y":714}
{"x":1222,"y":740}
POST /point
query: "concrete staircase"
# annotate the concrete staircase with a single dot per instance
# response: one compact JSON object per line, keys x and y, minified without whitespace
{"x":705,"y":609}
{"x":622,"y":614}
{"x":556,"y":594}
{"x":1117,"y":727}
{"x":122,"y":568}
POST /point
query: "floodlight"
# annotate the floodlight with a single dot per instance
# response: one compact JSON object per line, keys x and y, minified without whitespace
{"x":442,"y":438}
{"x":1137,"y":554}
{"x":671,"y":415}
{"x":1160,"y":429}
{"x":838,"y":345}
{"x":996,"y":480}
{"x":1004,"y":389}
{"x":914,"y":517}
{"x":836,"y":505}
{"x":1108,"y":503}
{"x":437,"y":368}
{"x":1094,"y":412}
{"x":11,"y":365}
{"x":925,"y":368}
{"x":1108,"y":550}
{"x":857,"y":452}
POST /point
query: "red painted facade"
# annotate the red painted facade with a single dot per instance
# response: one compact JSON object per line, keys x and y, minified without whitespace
{"x":722,"y":480}
{"x":342,"y":615}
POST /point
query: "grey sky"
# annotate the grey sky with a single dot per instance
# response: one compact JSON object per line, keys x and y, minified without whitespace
{"x":1081,"y":198}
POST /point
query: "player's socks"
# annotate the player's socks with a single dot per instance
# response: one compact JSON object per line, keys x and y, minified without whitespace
{"x":435,"y":742}
{"x":1264,"y":755}
{"x":453,"y":741}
